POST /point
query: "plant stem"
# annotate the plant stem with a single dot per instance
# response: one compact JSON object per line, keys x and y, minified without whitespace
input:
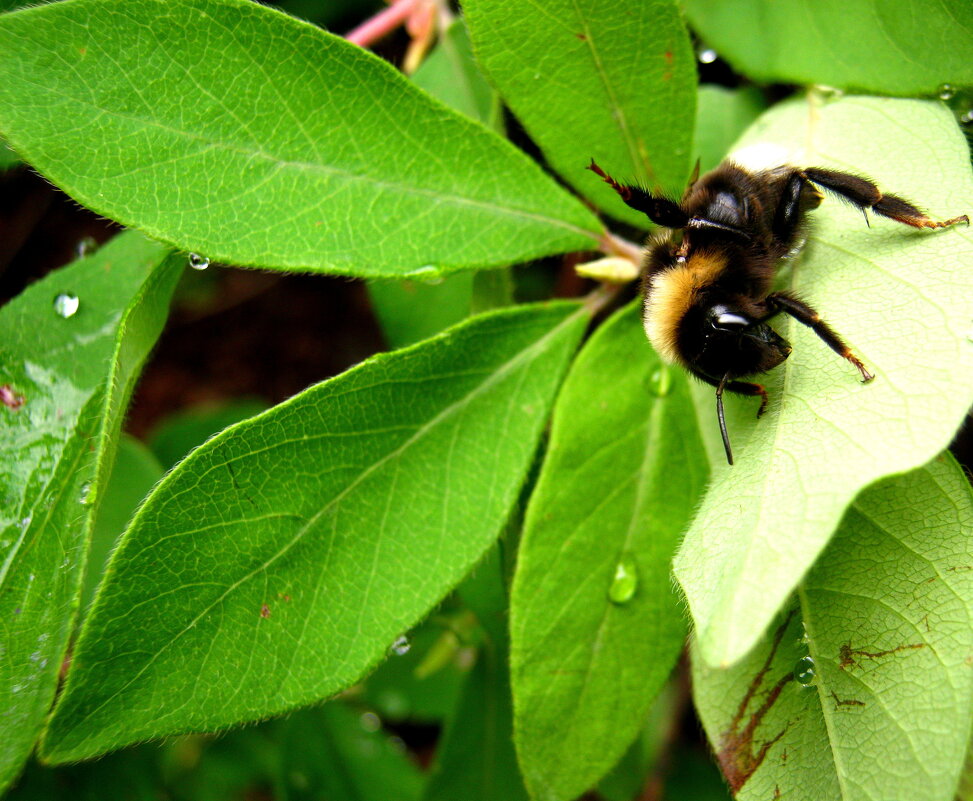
{"x":382,"y":24}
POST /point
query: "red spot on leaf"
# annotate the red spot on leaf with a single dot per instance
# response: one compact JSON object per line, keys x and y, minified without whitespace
{"x":265,"y":611}
{"x":581,"y":36}
{"x":9,"y":398}
{"x":668,"y":55}
{"x":738,"y":756}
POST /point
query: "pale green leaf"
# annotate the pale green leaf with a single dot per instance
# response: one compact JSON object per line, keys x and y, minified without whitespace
{"x":864,"y":689}
{"x":65,"y":381}
{"x":901,"y":299}
{"x":279,"y":561}
{"x":595,"y":624}
{"x":235,"y":131}
{"x":890,"y":48}
{"x":593,"y":79}
{"x":722,"y":115}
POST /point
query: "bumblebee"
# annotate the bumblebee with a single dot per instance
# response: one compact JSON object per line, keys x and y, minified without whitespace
{"x":708,"y":284}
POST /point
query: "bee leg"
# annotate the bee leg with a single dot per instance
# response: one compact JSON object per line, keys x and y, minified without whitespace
{"x":659,"y":210}
{"x":800,"y":311}
{"x":866,"y":195}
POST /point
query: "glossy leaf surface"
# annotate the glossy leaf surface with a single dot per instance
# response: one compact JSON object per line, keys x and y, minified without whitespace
{"x":889,"y":48}
{"x":232,"y":130}
{"x":593,"y":79}
{"x":64,"y":381}
{"x":900,"y":297}
{"x":280,"y":560}
{"x":595,"y":624}
{"x":863,"y":687}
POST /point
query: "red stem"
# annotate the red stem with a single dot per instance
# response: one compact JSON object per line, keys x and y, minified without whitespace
{"x":382,"y":24}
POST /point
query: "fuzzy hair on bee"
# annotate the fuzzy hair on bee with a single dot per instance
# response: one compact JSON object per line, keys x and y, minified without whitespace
{"x":708,"y":281}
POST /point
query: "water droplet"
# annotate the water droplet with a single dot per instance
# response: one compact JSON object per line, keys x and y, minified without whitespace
{"x":35,"y":657}
{"x":946,"y":91}
{"x":66,"y":305}
{"x":706,"y":55}
{"x":428,"y":274}
{"x":829,"y":92}
{"x":85,"y":496}
{"x":661,"y":381}
{"x":804,"y":671}
{"x":25,"y":522}
{"x":85,"y":247}
{"x":370,"y":721}
{"x":401,"y":646}
{"x":625,"y":581}
{"x":198,"y":262}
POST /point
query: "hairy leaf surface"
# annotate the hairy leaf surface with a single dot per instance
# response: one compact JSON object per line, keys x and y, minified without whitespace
{"x":890,"y":48}
{"x":595,"y":624}
{"x":592,"y":79}
{"x":233,"y":130}
{"x":901,"y":298}
{"x":278,"y":562}
{"x":863,"y":688}
{"x":64,"y":382}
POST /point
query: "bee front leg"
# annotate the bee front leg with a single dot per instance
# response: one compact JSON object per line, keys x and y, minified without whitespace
{"x":740,"y":388}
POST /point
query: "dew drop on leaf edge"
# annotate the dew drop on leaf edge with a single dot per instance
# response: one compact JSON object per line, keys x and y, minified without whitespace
{"x":946,"y":91}
{"x":625,"y":581}
{"x":66,"y":305}
{"x":706,"y":55}
{"x":401,"y":646}
{"x":198,"y":262}
{"x":661,"y":381}
{"x":804,"y":671}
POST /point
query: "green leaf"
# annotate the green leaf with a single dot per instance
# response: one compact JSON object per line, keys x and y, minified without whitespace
{"x":595,"y":624}
{"x":8,"y":158}
{"x":133,"y":474}
{"x":451,"y":76}
{"x":337,"y":753}
{"x":280,"y":560}
{"x":65,"y":381}
{"x":864,"y":688}
{"x":410,"y":311}
{"x":891,"y":48}
{"x":475,"y":759}
{"x":180,"y":432}
{"x":722,"y":115}
{"x":235,"y":131}
{"x":591,"y":79}
{"x":900,"y":298}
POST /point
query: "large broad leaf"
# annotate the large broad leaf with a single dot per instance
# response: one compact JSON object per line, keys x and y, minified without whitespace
{"x":864,"y":689}
{"x":70,"y":349}
{"x":233,"y":130}
{"x":892,"y":48}
{"x":279,"y":561}
{"x":901,"y":298}
{"x":595,"y":624}
{"x":593,"y":79}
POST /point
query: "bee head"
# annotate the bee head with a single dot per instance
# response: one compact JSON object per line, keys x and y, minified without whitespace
{"x":741,"y":345}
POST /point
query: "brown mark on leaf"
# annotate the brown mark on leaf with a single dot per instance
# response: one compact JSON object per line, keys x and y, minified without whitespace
{"x":739,"y":756}
{"x":959,"y":568}
{"x":851,"y":657}
{"x":583,"y":37}
{"x":845,"y":701}
{"x":9,"y":398}
{"x":776,"y":791}
{"x":265,"y":611}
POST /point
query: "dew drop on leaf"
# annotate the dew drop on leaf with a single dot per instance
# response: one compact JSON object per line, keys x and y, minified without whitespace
{"x":198,"y":262}
{"x":370,"y":722}
{"x":804,"y":671}
{"x":401,"y":646}
{"x":66,"y":305}
{"x":706,"y":55}
{"x":427,"y":275}
{"x":85,"y":247}
{"x":946,"y":91}
{"x":661,"y":381}
{"x":625,"y":581}
{"x":85,"y":497}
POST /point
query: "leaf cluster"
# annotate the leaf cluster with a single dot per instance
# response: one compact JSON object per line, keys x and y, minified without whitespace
{"x":478,"y":529}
